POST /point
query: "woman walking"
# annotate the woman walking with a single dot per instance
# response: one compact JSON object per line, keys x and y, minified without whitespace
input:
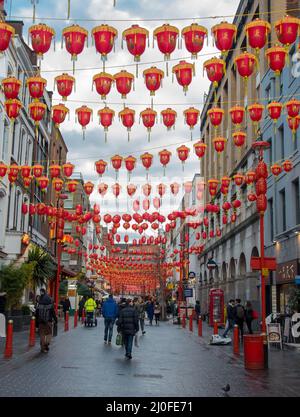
{"x":157,"y":313}
{"x":150,"y":311}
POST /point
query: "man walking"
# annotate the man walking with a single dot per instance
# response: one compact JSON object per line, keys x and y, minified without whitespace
{"x":128,"y":325}
{"x":110,"y":312}
{"x":197,"y":310}
{"x":45,"y":314}
{"x":239,"y":316}
{"x":140,"y":308}
{"x":230,"y":317}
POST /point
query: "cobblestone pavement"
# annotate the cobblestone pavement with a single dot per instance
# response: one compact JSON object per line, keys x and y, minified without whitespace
{"x":170,"y":361}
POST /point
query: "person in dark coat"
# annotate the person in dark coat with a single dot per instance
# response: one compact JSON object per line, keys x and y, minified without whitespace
{"x":239,"y":316}
{"x":150,"y":311}
{"x":66,"y":306}
{"x":2,"y":302}
{"x":197,"y":310}
{"x":110,"y":313}
{"x":45,"y":315}
{"x":81,"y":306}
{"x":230,"y":317}
{"x":249,"y":316}
{"x":128,"y":325}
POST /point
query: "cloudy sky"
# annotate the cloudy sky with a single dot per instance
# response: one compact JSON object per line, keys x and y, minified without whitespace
{"x":126,"y":13}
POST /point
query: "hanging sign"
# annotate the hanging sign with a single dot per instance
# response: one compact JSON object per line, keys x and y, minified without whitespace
{"x":274,"y":333}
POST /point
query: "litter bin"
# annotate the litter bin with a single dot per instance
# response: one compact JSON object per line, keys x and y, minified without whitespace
{"x":254,"y":351}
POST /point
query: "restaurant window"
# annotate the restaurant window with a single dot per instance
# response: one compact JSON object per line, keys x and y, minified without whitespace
{"x":296,"y":194}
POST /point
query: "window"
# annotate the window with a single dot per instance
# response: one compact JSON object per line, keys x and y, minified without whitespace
{"x":296,"y":194}
{"x":17,"y":206}
{"x":282,"y":210}
{"x":271,"y":219}
{"x":21,"y":144}
{"x":269,"y":151}
{"x":9,"y":206}
{"x":28,"y":156}
{"x":280,"y":143}
{"x":5,"y":140}
{"x":268,"y":95}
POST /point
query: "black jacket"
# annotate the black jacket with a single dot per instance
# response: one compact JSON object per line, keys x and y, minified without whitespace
{"x":46,"y":300}
{"x":230,"y":312}
{"x":128,"y":322}
{"x":236,"y":318}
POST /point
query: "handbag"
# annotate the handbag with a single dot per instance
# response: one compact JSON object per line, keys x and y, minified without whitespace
{"x":255,"y":315}
{"x":54,"y":329}
{"x":119,"y":339}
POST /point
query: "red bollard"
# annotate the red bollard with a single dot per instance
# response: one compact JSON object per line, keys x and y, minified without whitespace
{"x":191,"y":323}
{"x":183,"y":322}
{"x":75,"y":318}
{"x":83,"y":316}
{"x":67,"y":321}
{"x":216,"y":331}
{"x":200,"y":327}
{"x":9,"y":340}
{"x":236,"y":343}
{"x":32,"y":332}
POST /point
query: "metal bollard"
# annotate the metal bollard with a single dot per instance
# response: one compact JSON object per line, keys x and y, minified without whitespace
{"x":236,"y":342}
{"x":200,"y":327}
{"x":32,"y":332}
{"x":75,"y":318}
{"x":191,"y":323}
{"x":216,"y":331}
{"x":67,"y":321}
{"x":9,"y":340}
{"x":183,"y":322}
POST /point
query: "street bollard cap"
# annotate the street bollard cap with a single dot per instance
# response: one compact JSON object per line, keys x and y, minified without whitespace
{"x":10,"y":321}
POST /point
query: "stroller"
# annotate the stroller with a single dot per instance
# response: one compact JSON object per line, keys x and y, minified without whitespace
{"x":90,"y":319}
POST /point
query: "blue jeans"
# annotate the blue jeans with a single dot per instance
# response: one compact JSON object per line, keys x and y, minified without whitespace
{"x":229,"y":326}
{"x":128,"y":341}
{"x":109,"y":325}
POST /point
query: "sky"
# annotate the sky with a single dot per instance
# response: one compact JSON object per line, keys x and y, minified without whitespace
{"x":84,"y":153}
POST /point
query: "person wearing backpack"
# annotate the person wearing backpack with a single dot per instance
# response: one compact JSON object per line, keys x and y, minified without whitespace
{"x":239,"y":316}
{"x":45,"y":315}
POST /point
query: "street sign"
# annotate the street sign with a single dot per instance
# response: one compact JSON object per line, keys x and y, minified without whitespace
{"x":269,"y":263}
{"x":188,"y":292}
{"x":211,"y":264}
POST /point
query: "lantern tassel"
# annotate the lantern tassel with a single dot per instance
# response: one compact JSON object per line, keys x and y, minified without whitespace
{"x":164,"y":170}
{"x":83,"y":134}
{"x":105,"y":136}
{"x":137,"y":70}
{"x":191,"y":135}
{"x":167,"y":68}
{"x":69,"y":9}
{"x":149,"y":136}
{"x":33,"y":16}
{"x":73,"y":67}
{"x":128,"y":136}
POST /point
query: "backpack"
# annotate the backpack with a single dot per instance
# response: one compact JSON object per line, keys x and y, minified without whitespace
{"x":240,"y":312}
{"x":44,"y":312}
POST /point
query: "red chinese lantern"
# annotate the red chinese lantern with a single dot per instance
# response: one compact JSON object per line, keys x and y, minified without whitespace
{"x":36,"y":87}
{"x":100,"y":167}
{"x":13,"y":170}
{"x":161,"y":189}
{"x":174,"y":187}
{"x":37,"y":170}
{"x":41,"y":38}
{"x":72,"y":186}
{"x":226,"y":206}
{"x":147,"y":159}
{"x":37,"y":111}
{"x":43,"y":183}
{"x":104,"y":37}
{"x":184,"y":72}
{"x":136,"y":38}
{"x":257,"y":33}
{"x":225,"y":181}
{"x":64,"y":85}
{"x":75,"y":37}
{"x":88,"y":188}
{"x":84,"y":114}
{"x":54,"y":171}
{"x":169,"y":118}
{"x":219,"y":144}
{"x":107,"y":218}
{"x":256,"y":112}
{"x":224,"y":35}
{"x":276,"y":169}
{"x":293,"y":107}
{"x":212,"y":186}
{"x":215,"y":70}
{"x":124,"y":81}
{"x":275,"y":109}
{"x":251,"y":197}
{"x":131,"y":189}
{"x":239,"y":138}
{"x":27,"y":181}
{"x":116,"y":162}
{"x":261,"y":203}
{"x":103,"y":83}
{"x":127,"y":117}
{"x":11,"y":87}
{"x":24,"y":208}
{"x":68,"y":169}
{"x":102,"y":189}
{"x":3,"y":170}
{"x":191,"y":117}
{"x":130,"y":164}
{"x":238,"y":179}
{"x":216,"y":116}
{"x":59,"y":113}
{"x":200,"y":148}
{"x":276,"y":58}
{"x":236,"y":204}
{"x":58,"y":184}
{"x":164,"y":157}
{"x":287,"y":30}
{"x":12,"y":108}
{"x":237,"y":115}
{"x":116,"y":189}
{"x":183,"y":153}
{"x":166,"y":37}
{"x":106,"y":116}
{"x":250,"y":177}
{"x":246,"y":64}
{"x":153,"y":79}
{"x":261,"y":170}
{"x":294,"y":123}
{"x":6,"y":33}
{"x":287,"y":165}
{"x":194,"y":36}
{"x":148,"y":117}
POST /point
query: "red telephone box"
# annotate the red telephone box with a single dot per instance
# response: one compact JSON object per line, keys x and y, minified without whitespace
{"x":216,"y":306}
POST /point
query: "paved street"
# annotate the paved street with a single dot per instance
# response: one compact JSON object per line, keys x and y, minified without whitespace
{"x":169,"y":362}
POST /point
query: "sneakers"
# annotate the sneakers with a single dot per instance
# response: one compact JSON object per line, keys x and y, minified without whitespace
{"x":128,"y":356}
{"x":105,"y":342}
{"x":143,"y":332}
{"x":109,"y":342}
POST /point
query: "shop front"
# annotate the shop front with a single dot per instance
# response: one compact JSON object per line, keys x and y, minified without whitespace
{"x":286,"y":273}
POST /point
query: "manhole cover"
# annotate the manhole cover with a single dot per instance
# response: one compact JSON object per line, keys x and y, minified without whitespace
{"x":147,"y":376}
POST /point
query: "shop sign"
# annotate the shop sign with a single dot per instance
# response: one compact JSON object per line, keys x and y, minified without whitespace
{"x":286,"y":272}
{"x":274,"y":333}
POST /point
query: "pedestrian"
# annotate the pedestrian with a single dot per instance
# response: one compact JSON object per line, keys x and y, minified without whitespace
{"x":90,"y":307}
{"x":128,"y":325}
{"x":197,"y":310}
{"x":2,"y":302}
{"x":66,"y":305}
{"x":157,"y":313}
{"x":239,"y":316}
{"x":81,"y":306}
{"x":230,"y":317}
{"x":110,"y":312}
{"x":249,"y":316}
{"x":150,"y":311}
{"x":140,"y":308}
{"x":45,"y":315}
